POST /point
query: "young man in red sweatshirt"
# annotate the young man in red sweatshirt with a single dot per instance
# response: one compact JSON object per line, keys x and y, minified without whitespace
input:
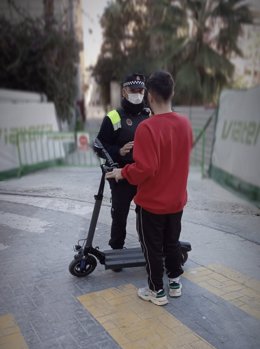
{"x":162,"y":146}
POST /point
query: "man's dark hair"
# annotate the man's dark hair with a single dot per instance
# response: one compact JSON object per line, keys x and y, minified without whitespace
{"x":161,"y":85}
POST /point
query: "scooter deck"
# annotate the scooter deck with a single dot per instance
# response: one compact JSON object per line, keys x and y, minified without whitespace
{"x":130,"y":257}
{"x":124,"y":258}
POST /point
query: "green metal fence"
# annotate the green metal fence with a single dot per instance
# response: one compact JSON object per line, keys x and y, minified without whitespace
{"x":37,"y":150}
{"x":43,"y":149}
{"x":198,"y":152}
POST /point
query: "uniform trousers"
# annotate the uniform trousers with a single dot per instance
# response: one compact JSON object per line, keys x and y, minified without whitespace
{"x":159,"y":237}
{"x":122,"y":194}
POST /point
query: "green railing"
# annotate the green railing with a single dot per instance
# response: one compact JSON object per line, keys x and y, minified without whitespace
{"x":198,"y":152}
{"x":203,"y":144}
{"x":42,"y":149}
{"x":37,"y":150}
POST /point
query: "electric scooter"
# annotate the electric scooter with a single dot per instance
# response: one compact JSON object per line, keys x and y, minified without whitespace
{"x":85,"y":260}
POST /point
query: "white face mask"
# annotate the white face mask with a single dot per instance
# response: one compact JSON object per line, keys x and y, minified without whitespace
{"x":135,"y":98}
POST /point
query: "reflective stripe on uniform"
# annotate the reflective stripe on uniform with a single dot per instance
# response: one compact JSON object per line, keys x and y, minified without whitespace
{"x":115,"y":119}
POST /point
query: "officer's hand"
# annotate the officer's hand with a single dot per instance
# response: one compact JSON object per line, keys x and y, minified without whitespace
{"x":126,"y":148}
{"x":116,"y":174}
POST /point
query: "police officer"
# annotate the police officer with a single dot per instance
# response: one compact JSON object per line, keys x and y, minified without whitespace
{"x":117,"y":135}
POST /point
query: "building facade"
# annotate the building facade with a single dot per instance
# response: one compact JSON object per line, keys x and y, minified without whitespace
{"x":247,"y":67}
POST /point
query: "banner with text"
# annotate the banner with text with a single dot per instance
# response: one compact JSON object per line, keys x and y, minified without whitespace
{"x":237,"y":142}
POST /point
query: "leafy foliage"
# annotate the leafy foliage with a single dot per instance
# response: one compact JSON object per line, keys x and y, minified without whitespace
{"x":192,"y":39}
{"x":35,"y":59}
{"x":126,"y":46}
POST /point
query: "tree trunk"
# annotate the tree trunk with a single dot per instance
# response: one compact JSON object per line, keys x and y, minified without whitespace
{"x":48,"y":13}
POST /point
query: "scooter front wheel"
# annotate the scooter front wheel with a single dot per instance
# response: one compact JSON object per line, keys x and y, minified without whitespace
{"x":82,"y":267}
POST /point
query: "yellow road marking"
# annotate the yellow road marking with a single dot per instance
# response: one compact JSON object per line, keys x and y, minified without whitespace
{"x":10,"y":335}
{"x":239,"y":289}
{"x":136,"y":324}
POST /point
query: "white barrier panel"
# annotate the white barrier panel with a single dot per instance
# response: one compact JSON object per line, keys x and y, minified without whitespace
{"x":24,"y":118}
{"x":21,"y":96}
{"x":237,"y":143}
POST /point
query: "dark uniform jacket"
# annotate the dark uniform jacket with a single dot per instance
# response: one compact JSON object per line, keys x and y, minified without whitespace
{"x":117,"y":129}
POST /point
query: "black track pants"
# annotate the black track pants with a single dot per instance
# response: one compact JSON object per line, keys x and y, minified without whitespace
{"x":159,"y":237}
{"x":122,"y":195}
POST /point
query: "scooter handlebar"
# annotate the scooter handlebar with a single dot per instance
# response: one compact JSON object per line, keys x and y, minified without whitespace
{"x":106,"y":168}
{"x":102,"y":152}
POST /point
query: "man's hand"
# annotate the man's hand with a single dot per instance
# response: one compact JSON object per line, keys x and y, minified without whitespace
{"x":116,"y":174}
{"x":126,"y":148}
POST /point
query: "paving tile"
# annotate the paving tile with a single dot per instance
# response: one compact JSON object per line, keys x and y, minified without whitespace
{"x":37,"y":289}
{"x":215,"y":319}
{"x":240,"y":290}
{"x":10,"y":335}
{"x":137,"y":324}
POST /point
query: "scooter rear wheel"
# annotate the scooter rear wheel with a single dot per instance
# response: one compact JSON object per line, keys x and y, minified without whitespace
{"x":83,"y":267}
{"x":184,"y":256}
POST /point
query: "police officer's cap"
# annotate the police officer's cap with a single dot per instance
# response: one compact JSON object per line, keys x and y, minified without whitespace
{"x":134,"y":80}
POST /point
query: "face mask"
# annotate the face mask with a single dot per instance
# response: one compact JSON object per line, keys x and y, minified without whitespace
{"x":135,"y":98}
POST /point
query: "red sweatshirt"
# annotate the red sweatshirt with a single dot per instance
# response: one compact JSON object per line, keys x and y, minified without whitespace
{"x":162,"y":147}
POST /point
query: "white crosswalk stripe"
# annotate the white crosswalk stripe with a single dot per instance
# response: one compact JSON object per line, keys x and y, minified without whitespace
{"x":61,"y":205}
{"x":20,"y":222}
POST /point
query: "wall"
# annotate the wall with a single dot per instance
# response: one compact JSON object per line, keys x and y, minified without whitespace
{"x":236,"y":155}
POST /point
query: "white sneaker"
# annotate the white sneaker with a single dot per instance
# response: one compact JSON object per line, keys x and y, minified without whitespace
{"x":175,"y":287}
{"x":158,"y":298}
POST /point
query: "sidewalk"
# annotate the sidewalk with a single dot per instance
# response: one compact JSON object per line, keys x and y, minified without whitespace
{"x":42,"y":215}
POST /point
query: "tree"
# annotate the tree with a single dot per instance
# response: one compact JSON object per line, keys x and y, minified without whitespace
{"x":193,"y":39}
{"x":126,"y":43}
{"x":40,"y":56}
{"x":203,"y":55}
